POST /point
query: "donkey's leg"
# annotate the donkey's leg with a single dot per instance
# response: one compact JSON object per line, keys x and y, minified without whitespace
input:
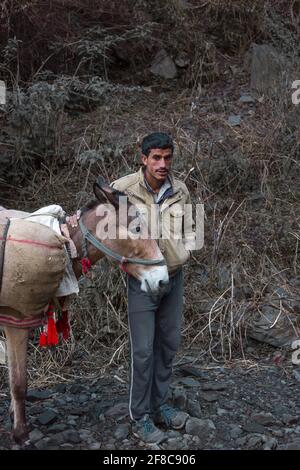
{"x":17,"y":342}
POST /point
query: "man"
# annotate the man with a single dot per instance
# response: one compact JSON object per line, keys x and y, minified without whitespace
{"x":155,"y":322}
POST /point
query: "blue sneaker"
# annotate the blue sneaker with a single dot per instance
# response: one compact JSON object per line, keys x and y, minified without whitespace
{"x":145,"y":430}
{"x":170,"y":417}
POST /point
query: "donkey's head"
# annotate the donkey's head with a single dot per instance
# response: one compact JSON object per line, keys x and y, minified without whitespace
{"x":121,"y":228}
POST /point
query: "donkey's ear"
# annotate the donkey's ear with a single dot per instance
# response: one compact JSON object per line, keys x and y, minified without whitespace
{"x":105,"y":193}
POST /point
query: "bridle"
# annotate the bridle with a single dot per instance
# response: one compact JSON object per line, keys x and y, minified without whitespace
{"x":122,"y":260}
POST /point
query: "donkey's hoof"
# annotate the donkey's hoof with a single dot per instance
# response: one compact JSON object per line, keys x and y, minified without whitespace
{"x":20,"y":436}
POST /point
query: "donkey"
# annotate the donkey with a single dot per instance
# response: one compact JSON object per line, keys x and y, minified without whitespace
{"x":140,"y":258}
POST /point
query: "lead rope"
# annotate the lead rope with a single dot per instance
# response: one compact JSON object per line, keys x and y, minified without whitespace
{"x":85,"y":261}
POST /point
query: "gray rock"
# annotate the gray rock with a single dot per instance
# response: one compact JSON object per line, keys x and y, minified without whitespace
{"x":296,"y":374}
{"x":219,"y":446}
{"x":163,"y":66}
{"x":76,"y":388}
{"x":84,"y":434}
{"x":71,"y":436}
{"x":54,"y":428}
{"x":67,"y":446}
{"x":80,"y":410}
{"x":173,"y":434}
{"x":36,"y":409}
{"x":203,"y":428}
{"x":280,"y":410}
{"x":277,"y":432}
{"x":118,"y":411}
{"x":43,"y":444}
{"x":71,"y":422}
{"x":96,"y":410}
{"x":221,"y":412}
{"x":154,"y":447}
{"x":182,"y":60}
{"x":35,"y":435}
{"x":246,"y":99}
{"x":234,"y":120}
{"x":175,"y":444}
{"x":254,"y":427}
{"x":188,"y":382}
{"x":266,"y":419}
{"x":83,"y":398}
{"x":60,"y":402}
{"x":235,"y":431}
{"x":289,"y":431}
{"x":179,"y":398}
{"x":230,"y":405}
{"x":190,"y":370}
{"x":213,"y":386}
{"x":209,"y":396}
{"x":73,"y":417}
{"x":292,"y":445}
{"x":122,"y":431}
{"x":48,"y":417}
{"x":270,"y":443}
{"x":183,"y":4}
{"x":196,"y":440}
{"x":193,"y":408}
{"x":261,"y":328}
{"x":241,"y":441}
{"x":95,"y":446}
{"x":57,"y":439}
{"x":36,"y":395}
{"x":267,"y":69}
{"x":60,"y":388}
{"x":110,"y":446}
{"x":254,"y":441}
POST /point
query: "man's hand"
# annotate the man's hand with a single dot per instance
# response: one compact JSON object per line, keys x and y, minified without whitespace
{"x":73,"y":219}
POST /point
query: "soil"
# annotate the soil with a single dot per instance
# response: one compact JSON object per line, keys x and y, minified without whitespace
{"x":240,"y":405}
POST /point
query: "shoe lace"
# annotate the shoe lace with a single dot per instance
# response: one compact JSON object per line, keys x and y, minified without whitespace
{"x":148,"y":425}
{"x":168,"y":412}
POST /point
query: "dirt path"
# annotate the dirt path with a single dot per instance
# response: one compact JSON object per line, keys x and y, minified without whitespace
{"x":244,"y":405}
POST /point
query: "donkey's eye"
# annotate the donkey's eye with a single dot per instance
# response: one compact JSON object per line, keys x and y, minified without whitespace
{"x":138,"y":229}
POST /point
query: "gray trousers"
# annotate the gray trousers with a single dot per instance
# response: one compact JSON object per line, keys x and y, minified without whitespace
{"x":155,"y":332}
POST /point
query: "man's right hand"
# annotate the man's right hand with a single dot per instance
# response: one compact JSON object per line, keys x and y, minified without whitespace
{"x":73,"y":219}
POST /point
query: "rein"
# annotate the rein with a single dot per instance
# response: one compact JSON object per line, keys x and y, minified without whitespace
{"x":122,"y":260}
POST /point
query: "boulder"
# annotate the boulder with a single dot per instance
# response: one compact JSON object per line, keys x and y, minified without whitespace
{"x":163,"y":66}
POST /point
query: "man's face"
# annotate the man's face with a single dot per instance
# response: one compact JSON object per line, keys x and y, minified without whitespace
{"x":158,"y":163}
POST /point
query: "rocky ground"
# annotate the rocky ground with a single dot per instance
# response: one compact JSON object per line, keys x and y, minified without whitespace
{"x":242,"y":405}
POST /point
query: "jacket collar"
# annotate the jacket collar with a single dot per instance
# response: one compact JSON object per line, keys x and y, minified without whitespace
{"x":141,"y":179}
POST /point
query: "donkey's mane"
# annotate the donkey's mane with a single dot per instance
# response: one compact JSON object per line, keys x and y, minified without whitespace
{"x":90,"y":205}
{"x":95,"y":202}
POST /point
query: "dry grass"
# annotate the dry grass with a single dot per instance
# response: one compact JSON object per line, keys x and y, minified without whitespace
{"x":246,"y":176}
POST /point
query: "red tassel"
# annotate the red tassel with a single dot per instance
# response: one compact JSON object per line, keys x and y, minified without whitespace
{"x":62,"y":325}
{"x":49,"y":336}
{"x":43,"y":339}
{"x":52,"y":332}
{"x":123,"y":265}
{"x":86,"y":265}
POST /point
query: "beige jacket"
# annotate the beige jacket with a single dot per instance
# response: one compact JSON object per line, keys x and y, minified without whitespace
{"x":165,"y":219}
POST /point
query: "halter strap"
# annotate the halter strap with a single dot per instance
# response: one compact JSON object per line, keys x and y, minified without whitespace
{"x":88,"y":236}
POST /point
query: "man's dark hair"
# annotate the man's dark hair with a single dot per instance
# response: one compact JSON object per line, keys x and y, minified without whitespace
{"x":157,"y":140}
